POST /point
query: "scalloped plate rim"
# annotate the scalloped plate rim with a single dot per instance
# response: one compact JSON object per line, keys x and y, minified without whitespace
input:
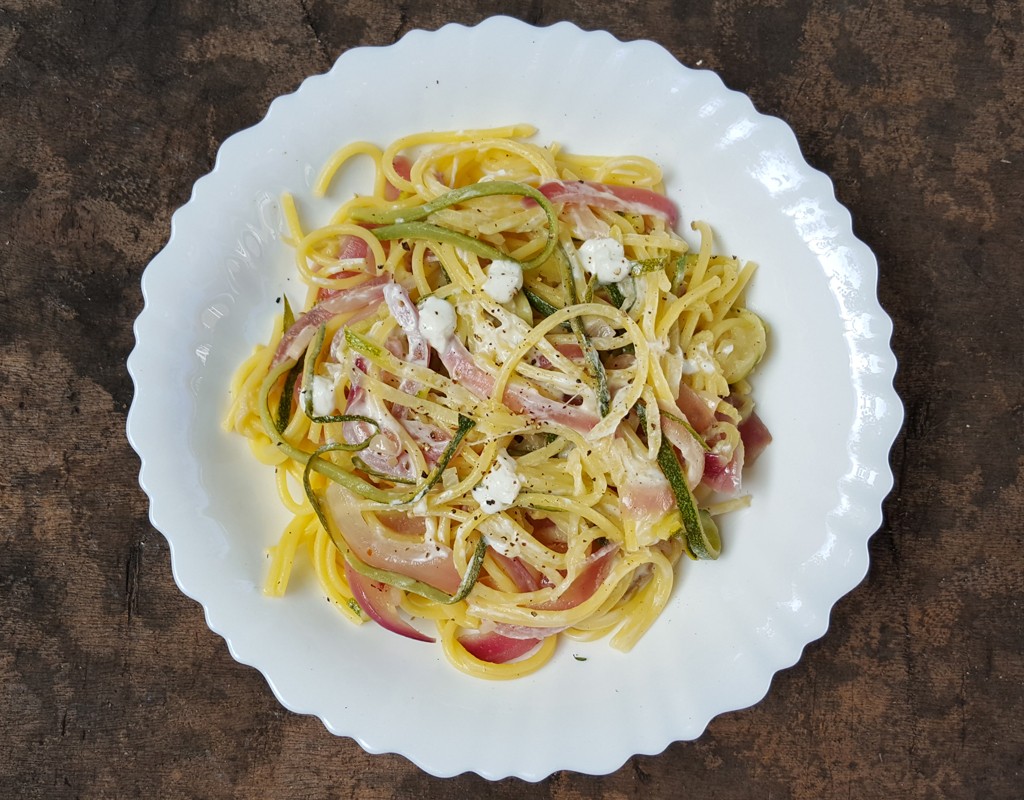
{"x":888,"y":425}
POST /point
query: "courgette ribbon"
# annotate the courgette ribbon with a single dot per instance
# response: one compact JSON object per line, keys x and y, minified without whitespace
{"x":410,"y":223}
{"x":685,"y":262}
{"x":284,"y":406}
{"x":376,"y":473}
{"x":645,"y":265}
{"x":636,"y":269}
{"x":540,"y":305}
{"x":699,"y":531}
{"x":615,"y":294}
{"x":689,"y":429}
{"x":593,"y":358}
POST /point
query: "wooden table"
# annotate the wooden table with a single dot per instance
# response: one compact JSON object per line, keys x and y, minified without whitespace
{"x":111,"y":685}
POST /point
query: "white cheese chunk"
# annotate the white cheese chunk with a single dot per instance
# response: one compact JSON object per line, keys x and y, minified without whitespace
{"x":504,"y":279}
{"x":606,"y":259}
{"x":500,"y":486}
{"x":437,"y":322}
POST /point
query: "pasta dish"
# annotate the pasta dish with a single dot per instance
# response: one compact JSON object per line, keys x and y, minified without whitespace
{"x":511,"y":400}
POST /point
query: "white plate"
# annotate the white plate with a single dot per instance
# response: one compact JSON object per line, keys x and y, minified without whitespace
{"x":825,"y":390}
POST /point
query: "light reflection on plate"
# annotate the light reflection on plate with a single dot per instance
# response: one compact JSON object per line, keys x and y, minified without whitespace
{"x":825,"y":391}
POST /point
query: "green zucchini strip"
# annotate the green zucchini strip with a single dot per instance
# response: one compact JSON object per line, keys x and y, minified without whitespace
{"x":376,"y":473}
{"x":362,"y":345}
{"x":284,"y":406}
{"x":615,"y":294}
{"x":288,"y":317}
{"x":543,"y":307}
{"x":690,"y":429}
{"x":701,"y":542}
{"x":545,"y":508}
{"x":539,"y":304}
{"x":436,"y":233}
{"x":592,"y":357}
{"x":711,"y":538}
{"x":407,"y":223}
{"x":645,"y":265}
{"x":683,"y":263}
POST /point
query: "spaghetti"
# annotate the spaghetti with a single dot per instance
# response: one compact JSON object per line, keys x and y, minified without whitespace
{"x":512,"y":400}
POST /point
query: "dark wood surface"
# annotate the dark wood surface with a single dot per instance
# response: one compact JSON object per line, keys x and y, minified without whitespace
{"x":111,"y":685}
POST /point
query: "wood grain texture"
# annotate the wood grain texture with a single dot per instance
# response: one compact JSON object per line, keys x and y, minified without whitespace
{"x":110,"y":683}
